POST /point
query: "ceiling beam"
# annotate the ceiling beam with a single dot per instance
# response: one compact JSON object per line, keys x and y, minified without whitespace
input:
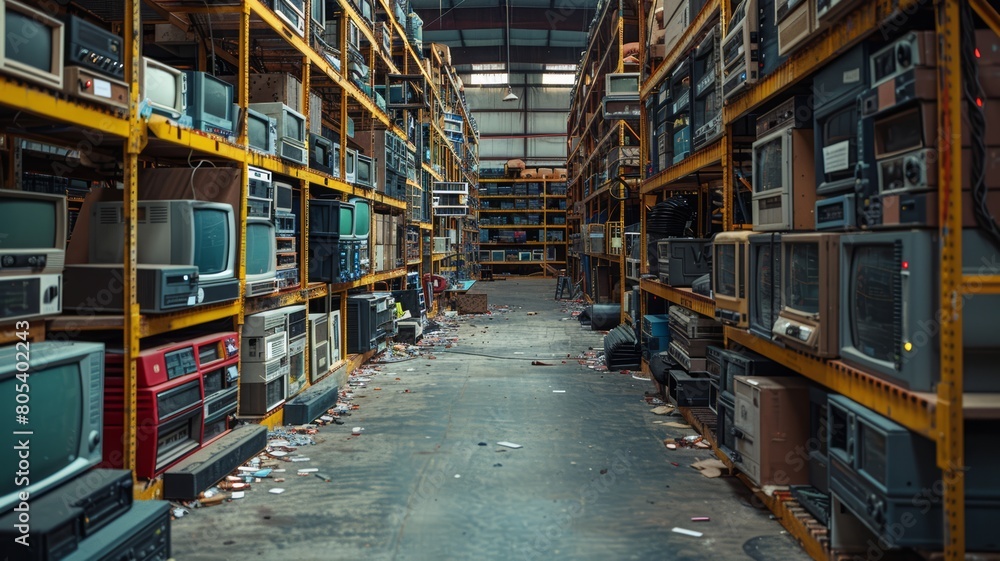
{"x":518,"y":54}
{"x":494,"y":18}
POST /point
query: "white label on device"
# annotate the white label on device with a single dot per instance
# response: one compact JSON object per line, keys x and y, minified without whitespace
{"x":852,"y":75}
{"x":837,"y":157}
{"x":102,"y":88}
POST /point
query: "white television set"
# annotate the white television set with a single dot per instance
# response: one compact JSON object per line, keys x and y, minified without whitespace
{"x":31,"y":44}
{"x":261,"y":257}
{"x":32,"y":232}
{"x":164,"y":88}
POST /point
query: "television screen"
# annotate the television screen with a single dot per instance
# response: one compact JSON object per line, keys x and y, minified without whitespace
{"x":872,"y":293}
{"x":802,"y":282}
{"x":26,"y":224}
{"x":36,"y":50}
{"x":725,"y":258}
{"x":768,"y":164}
{"x":364,"y":171}
{"x":362,"y":218}
{"x":257,"y":131}
{"x":346,"y":220}
{"x":294,"y":127}
{"x":160,"y":86}
{"x":260,"y":248}
{"x":212,"y":240}
{"x":765,"y":303}
{"x":840,"y":135}
{"x":218,"y":99}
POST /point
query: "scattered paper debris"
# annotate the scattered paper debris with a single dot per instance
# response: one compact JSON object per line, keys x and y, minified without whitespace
{"x":308,"y":470}
{"x":687,"y":532}
{"x":711,"y":468}
{"x":508,"y":444}
{"x":276,"y":491}
{"x":237,"y":495}
{"x":663,"y":410}
{"x":558,"y":391}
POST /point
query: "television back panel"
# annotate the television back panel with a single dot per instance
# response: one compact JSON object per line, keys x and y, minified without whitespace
{"x":772,"y":422}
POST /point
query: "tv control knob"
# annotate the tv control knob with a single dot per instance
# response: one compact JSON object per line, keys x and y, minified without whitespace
{"x":904,"y":55}
{"x":7,"y":261}
{"x":912,"y":170}
{"x":94,"y":440}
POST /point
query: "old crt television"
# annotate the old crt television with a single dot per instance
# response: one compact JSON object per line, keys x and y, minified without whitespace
{"x":623,"y":85}
{"x":810,"y":288}
{"x":210,"y":103}
{"x":31,"y":44}
{"x":262,"y":132}
{"x":33,"y":228}
{"x":681,"y":261}
{"x":836,"y":119}
{"x":283,"y":196}
{"x":326,"y":216}
{"x":291,"y":127}
{"x":365,"y":172}
{"x":164,"y":88}
{"x":889,"y":304}
{"x":261,"y":257}
{"x":887,"y":477}
{"x":351,"y":166}
{"x":362,"y":218}
{"x":730,"y":277}
{"x":321,"y":153}
{"x":784,"y":190}
{"x":170,"y":232}
{"x":765,"y":283}
{"x":67,"y":392}
{"x":740,"y":50}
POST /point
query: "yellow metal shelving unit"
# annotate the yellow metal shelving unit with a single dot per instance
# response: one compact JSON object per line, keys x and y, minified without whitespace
{"x":134,"y":138}
{"x":938,"y":416}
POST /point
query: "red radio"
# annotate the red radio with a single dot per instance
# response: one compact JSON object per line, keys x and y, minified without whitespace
{"x":170,"y":361}
{"x":169,"y":421}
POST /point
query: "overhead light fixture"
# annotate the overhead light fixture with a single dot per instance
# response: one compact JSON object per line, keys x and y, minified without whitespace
{"x":511,"y":96}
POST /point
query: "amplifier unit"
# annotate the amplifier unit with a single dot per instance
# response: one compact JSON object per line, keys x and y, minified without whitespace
{"x":67,"y":515}
{"x":284,"y":224}
{"x":95,"y":48}
{"x":89,"y":85}
{"x":30,"y":296}
{"x":142,"y":533}
{"x":208,"y":466}
{"x":99,"y":287}
{"x":692,"y":325}
{"x":287,"y":278}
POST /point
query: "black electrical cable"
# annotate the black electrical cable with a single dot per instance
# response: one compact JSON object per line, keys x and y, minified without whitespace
{"x":974,"y":98}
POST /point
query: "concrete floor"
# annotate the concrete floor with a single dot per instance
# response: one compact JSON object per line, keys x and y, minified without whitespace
{"x":593,"y":480}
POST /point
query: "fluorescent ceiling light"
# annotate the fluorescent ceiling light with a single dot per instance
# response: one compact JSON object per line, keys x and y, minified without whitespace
{"x":550,"y":79}
{"x":488,"y":78}
{"x":560,"y":67}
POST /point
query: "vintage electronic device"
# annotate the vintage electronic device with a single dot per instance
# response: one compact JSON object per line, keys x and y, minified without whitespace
{"x":187,"y":232}
{"x":95,"y":48}
{"x":263,"y":386}
{"x":748,"y":363}
{"x":707,"y":79}
{"x":141,"y":533}
{"x":321,"y":154}
{"x":829,"y":11}
{"x":679,"y":127}
{"x":684,"y":359}
{"x":837,"y":213}
{"x":291,"y":130}
{"x":311,"y":404}
{"x":336,"y":334}
{"x":99,"y":287}
{"x":796,"y":22}
{"x":284,"y":224}
{"x":213,"y":462}
{"x":329,"y":258}
{"x":725,"y":427}
{"x":157,"y":365}
{"x":879,"y":469}
{"x":784,"y":190}
{"x":262,"y":130}
{"x":619,"y":108}
{"x":655,"y":333}
{"x":889,"y":295}
{"x":730,"y":277}
{"x":38,"y":57}
{"x":210,"y":103}
{"x":283,"y":196}
{"x":69,"y":514}
{"x":260,"y":257}
{"x":263,"y":324}
{"x":264,"y":348}
{"x":33,"y":232}
{"x":218,"y":363}
{"x":765,"y":283}
{"x":67,"y":389}
{"x":297,"y":320}
{"x":30,"y":296}
{"x":90,"y":85}
{"x":319,"y":334}
{"x":914,"y":49}
{"x":350,"y":166}
{"x":810,"y":287}
{"x":362,"y":323}
{"x":622,"y":86}
{"x":169,"y":422}
{"x":740,"y":50}
{"x":682,"y":260}
{"x":260,"y":193}
{"x":297,"y":364}
{"x":771,"y":423}
{"x":836,"y":119}
{"x":365,"y":172}
{"x":164,"y":89}
{"x":293,"y":12}
{"x":688,"y":389}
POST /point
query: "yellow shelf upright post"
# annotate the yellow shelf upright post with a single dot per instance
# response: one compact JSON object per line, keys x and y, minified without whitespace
{"x":135,"y":144}
{"x":950,"y":445}
{"x":244,"y":93}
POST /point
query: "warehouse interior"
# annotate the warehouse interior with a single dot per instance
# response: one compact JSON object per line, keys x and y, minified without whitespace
{"x":476,"y":279}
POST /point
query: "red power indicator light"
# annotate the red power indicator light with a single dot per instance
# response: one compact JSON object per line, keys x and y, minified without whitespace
{"x":978,"y":54}
{"x":89,"y":84}
{"x":906,"y":265}
{"x":979,"y":102}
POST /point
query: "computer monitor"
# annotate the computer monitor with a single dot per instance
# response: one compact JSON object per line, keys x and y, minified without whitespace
{"x":36,"y":54}
{"x":262,"y":132}
{"x":261,"y":257}
{"x":362,"y":218}
{"x":32,"y":232}
{"x":365,"y":172}
{"x":164,"y":88}
{"x":210,"y":103}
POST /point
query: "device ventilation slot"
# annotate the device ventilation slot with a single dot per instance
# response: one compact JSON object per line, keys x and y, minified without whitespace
{"x":897,"y":303}
{"x":156,"y":215}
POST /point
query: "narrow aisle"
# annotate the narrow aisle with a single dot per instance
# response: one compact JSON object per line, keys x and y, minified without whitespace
{"x":591,"y":482}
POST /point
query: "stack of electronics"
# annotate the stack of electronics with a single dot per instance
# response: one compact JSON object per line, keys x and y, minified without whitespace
{"x":331,"y":231}
{"x":690,"y":337}
{"x":670,"y":218}
{"x":32,"y":255}
{"x":655,"y":334}
{"x":621,"y":349}
{"x":360,"y":235}
{"x":621,"y":96}
{"x":784,"y":189}
{"x":261,"y":240}
{"x":681,"y":261}
{"x":94,"y":59}
{"x":192,"y":262}
{"x":265,"y":362}
{"x":291,"y":128}
{"x":389,"y":154}
{"x":74,"y":509}
{"x":186,"y":397}
{"x":706,"y":75}
{"x":370,"y":320}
